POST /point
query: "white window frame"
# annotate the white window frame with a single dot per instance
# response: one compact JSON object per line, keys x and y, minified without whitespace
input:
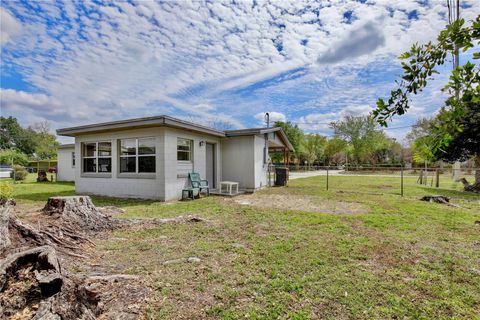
{"x":136,"y":156}
{"x":190,"y":152}
{"x":97,"y":157}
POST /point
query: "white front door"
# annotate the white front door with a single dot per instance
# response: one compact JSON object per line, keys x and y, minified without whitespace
{"x":210,"y":162}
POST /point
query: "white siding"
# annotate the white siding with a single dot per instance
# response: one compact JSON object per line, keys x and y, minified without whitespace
{"x":260,"y":167}
{"x":65,"y":170}
{"x":116,"y":185}
{"x":238,"y":157}
{"x":176,"y":172}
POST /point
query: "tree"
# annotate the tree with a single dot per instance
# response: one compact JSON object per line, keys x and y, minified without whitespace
{"x":334,"y":150}
{"x":12,"y":135}
{"x":362,"y":135}
{"x":295,"y":136}
{"x":10,"y":156}
{"x":455,"y":134}
{"x":45,"y":142}
{"x":313,"y":147}
{"x":35,"y":141}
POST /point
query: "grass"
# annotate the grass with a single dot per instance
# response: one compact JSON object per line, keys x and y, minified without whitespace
{"x":404,"y":259}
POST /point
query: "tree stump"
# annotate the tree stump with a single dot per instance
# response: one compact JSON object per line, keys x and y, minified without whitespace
{"x":6,"y":209}
{"x":79,"y":211}
{"x":42,"y":176}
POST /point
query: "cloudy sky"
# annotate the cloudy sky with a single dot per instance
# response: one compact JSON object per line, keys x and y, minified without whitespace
{"x":222,"y":64}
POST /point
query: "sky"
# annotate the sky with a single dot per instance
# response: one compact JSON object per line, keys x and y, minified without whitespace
{"x":222,"y":64}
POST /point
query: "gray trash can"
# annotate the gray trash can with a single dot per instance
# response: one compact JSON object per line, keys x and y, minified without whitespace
{"x":281,"y":176}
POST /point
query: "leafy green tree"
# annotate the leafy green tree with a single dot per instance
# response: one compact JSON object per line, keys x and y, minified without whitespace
{"x":45,"y":142}
{"x":12,"y":135}
{"x":334,"y":147}
{"x":295,"y":136}
{"x":455,"y":134}
{"x":313,"y":147}
{"x":362,"y":135}
{"x":421,"y":62}
{"x":9,"y":156}
{"x":35,"y":141}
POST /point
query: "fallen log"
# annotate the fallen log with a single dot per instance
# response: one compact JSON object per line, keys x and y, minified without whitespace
{"x":438,"y":199}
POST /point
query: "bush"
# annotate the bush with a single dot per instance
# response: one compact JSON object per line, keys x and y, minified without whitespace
{"x":18,"y":173}
{"x":6,"y":192}
{"x":9,"y":155}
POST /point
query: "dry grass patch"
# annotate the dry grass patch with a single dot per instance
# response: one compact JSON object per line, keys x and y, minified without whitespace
{"x":300,"y":203}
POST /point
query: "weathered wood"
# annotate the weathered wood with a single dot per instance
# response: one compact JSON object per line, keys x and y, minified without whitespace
{"x":475,"y":187}
{"x":6,"y":209}
{"x":79,"y":211}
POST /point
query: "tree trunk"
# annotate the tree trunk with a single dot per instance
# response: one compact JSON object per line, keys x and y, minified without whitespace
{"x":475,"y":187}
{"x":477,"y":170}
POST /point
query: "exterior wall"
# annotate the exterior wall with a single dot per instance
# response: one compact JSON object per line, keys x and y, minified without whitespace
{"x":65,"y":169}
{"x":260,"y":167}
{"x":171,"y":175}
{"x":176,"y":172}
{"x":238,"y":157}
{"x":147,"y":186}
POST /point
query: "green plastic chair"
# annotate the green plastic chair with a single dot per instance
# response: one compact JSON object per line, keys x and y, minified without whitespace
{"x":197,"y":182}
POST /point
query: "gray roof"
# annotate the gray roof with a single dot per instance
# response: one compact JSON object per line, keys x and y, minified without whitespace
{"x":139,"y":123}
{"x":167,"y":121}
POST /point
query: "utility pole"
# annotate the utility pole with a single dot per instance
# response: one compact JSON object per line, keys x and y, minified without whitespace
{"x":454,"y":15}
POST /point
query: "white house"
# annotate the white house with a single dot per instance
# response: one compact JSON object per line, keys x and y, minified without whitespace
{"x":66,"y":162}
{"x":151,"y":157}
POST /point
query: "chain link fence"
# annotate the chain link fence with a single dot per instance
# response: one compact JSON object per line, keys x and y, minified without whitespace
{"x":398,"y":180}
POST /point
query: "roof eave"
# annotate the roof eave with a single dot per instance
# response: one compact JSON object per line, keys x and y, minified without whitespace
{"x":136,"y":124}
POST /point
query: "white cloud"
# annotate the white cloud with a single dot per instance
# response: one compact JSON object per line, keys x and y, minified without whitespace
{"x":189,"y":59}
{"x":9,"y":26}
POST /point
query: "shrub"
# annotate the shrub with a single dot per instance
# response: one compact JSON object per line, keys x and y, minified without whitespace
{"x":18,"y":173}
{"x":9,"y":155}
{"x":6,"y":192}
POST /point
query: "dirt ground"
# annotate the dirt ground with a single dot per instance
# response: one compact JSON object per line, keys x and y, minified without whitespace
{"x":300,"y":203}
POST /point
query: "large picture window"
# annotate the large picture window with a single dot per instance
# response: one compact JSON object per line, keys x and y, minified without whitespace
{"x":184,"y":149}
{"x":97,"y":157}
{"x":137,"y":155}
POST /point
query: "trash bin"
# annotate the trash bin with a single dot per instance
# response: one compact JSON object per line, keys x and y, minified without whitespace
{"x":281,"y":176}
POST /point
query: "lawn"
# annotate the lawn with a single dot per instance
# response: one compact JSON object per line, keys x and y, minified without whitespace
{"x":401,"y":258}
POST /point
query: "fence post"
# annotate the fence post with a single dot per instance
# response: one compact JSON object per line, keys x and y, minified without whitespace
{"x":401,"y":180}
{"x":421,"y":176}
{"x":437,"y":180}
{"x":327,"y":178}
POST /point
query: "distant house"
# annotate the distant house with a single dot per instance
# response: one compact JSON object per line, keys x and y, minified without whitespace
{"x":66,"y":162}
{"x":151,"y":157}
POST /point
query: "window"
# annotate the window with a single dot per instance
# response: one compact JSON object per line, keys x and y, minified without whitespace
{"x":97,"y":157}
{"x":137,"y":155}
{"x":184,"y":149}
{"x":73,"y":159}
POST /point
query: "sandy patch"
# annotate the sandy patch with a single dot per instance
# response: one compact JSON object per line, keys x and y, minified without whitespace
{"x":300,"y":203}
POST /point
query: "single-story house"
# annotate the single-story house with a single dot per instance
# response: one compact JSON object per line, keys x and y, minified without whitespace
{"x":66,"y":162}
{"x":151,"y":157}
